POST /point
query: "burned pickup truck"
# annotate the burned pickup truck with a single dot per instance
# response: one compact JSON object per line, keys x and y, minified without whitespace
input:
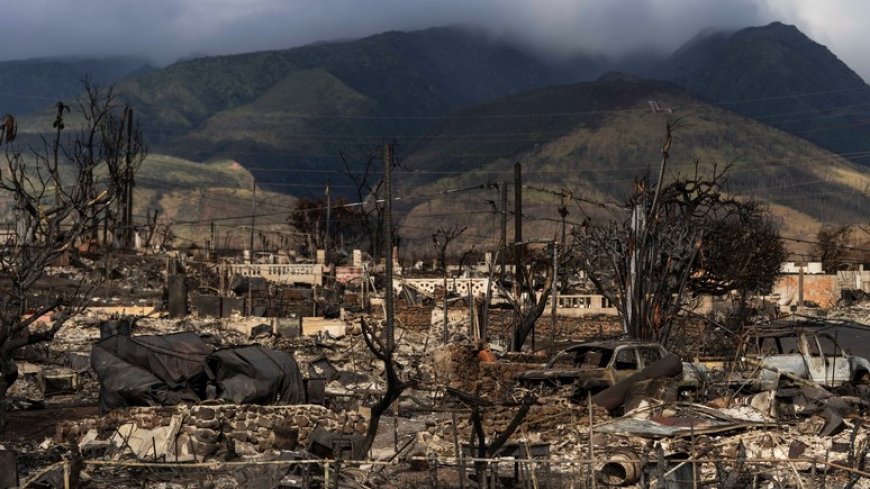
{"x":594,"y":367}
{"x":796,"y":354}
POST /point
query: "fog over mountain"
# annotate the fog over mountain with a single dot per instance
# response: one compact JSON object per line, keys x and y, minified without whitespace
{"x":165,"y":30}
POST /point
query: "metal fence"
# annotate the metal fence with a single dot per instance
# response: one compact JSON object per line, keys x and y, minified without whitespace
{"x":612,"y":469}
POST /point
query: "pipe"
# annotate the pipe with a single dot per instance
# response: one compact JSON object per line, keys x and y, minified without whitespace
{"x":623,"y":467}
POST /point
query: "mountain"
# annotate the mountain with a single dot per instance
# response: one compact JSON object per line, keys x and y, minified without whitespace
{"x":594,"y":139}
{"x":33,"y":84}
{"x":298,"y":107}
{"x":190,"y":196}
{"x":779,"y":76}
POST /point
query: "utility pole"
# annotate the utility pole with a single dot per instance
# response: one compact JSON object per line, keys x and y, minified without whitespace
{"x":213,"y":240}
{"x":518,"y":248}
{"x":128,"y":184}
{"x":253,"y":219}
{"x":563,"y":213}
{"x":502,"y":190}
{"x":518,"y":209}
{"x":554,"y":298}
{"x":388,"y":238}
{"x":251,"y":247}
{"x":105,"y":227}
{"x":326,"y":243}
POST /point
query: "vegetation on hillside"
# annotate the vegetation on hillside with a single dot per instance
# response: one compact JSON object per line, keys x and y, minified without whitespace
{"x":599,"y":139}
{"x":779,"y":76}
{"x":35,"y":84}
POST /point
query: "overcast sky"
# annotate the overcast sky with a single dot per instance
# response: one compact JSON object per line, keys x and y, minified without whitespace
{"x":165,"y":30}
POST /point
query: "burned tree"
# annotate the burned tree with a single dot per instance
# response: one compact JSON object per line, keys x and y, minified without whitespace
{"x":58,"y":196}
{"x":533,"y":282}
{"x":478,"y":443}
{"x":110,"y":136}
{"x":741,"y":251}
{"x":322,"y":222}
{"x":371,"y":202}
{"x":674,"y":239}
{"x":442,"y":239}
{"x":832,"y":245}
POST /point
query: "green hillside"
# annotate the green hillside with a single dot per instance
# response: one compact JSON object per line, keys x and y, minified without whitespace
{"x":192,"y":195}
{"x":779,"y":76}
{"x":595,"y":138}
{"x":33,"y":84}
{"x":299,"y":107}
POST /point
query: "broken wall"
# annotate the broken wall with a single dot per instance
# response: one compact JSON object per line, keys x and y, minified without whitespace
{"x":458,"y":366}
{"x":501,"y":322}
{"x":201,"y":432}
{"x":823,"y":290}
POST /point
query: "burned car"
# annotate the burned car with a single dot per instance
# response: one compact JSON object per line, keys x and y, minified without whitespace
{"x":596,"y":366}
{"x":802,"y":354}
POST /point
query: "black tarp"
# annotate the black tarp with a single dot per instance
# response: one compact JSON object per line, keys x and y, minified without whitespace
{"x":257,"y":375}
{"x":162,"y":370}
{"x":165,"y":370}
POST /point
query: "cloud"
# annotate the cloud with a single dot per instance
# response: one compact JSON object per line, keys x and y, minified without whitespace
{"x":840,"y":25}
{"x":167,"y":29}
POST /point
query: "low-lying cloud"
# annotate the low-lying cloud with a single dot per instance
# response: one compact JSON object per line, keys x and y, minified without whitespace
{"x":165,"y":30}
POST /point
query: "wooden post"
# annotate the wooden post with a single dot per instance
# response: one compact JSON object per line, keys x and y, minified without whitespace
{"x":326,"y":243}
{"x":212,"y":240}
{"x":502,"y":190}
{"x":128,"y":186}
{"x":445,"y":332}
{"x":253,"y":220}
{"x":388,"y":241}
{"x":458,"y":450}
{"x":591,"y":443}
{"x":518,"y":251}
{"x":250,"y":307}
{"x":554,"y":299}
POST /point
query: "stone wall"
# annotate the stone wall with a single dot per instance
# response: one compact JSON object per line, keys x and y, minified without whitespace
{"x":458,"y":366}
{"x":206,"y":432}
{"x":567,"y":328}
{"x":543,"y":417}
{"x":414,"y":318}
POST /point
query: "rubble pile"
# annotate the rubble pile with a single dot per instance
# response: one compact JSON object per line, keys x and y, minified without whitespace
{"x":859,"y":312}
{"x":779,"y":407}
{"x":201,"y":433}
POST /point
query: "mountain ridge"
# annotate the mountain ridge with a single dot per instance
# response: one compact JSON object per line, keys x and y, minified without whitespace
{"x":779,"y":76}
{"x":602,"y":135}
{"x":35,"y":83}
